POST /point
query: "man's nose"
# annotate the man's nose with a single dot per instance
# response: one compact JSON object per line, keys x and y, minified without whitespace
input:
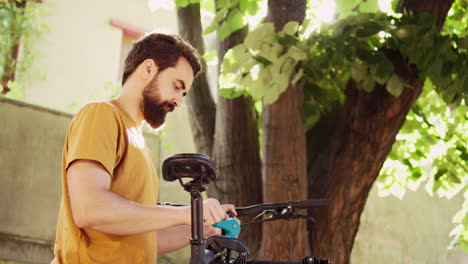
{"x":177,"y":101}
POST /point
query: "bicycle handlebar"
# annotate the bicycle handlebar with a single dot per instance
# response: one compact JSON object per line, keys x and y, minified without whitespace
{"x":304,"y":204}
{"x":306,"y":260}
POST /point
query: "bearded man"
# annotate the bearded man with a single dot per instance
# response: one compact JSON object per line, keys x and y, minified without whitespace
{"x":108,"y":211}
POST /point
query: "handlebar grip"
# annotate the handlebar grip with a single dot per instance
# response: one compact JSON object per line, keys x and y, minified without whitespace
{"x":312,"y":203}
{"x":271,"y":262}
{"x":306,"y":260}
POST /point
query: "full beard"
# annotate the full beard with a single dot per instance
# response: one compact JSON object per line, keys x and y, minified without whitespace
{"x":154,"y":111}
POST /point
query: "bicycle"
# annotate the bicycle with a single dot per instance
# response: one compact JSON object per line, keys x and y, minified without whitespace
{"x":198,"y":170}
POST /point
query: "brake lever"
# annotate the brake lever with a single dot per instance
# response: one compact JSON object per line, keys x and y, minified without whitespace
{"x":291,"y":215}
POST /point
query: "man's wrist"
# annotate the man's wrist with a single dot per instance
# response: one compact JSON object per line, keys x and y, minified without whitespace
{"x":186,"y":215}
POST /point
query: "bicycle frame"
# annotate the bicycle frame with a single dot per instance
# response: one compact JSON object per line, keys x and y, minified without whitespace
{"x":200,"y":170}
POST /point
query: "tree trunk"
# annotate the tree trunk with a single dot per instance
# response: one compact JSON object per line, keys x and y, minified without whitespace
{"x":361,"y":138}
{"x":200,"y":103}
{"x":437,"y":8}
{"x":284,"y":151}
{"x":236,"y":152}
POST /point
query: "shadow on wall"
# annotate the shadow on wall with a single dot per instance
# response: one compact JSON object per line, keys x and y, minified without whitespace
{"x":31,"y":140}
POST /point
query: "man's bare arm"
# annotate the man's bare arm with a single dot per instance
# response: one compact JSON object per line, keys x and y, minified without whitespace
{"x":95,"y":207}
{"x":177,"y":237}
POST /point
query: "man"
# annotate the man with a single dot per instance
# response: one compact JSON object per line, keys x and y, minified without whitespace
{"x":108,"y":212}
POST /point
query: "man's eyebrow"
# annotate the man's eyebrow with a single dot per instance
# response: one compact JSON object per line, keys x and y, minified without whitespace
{"x":182,"y":83}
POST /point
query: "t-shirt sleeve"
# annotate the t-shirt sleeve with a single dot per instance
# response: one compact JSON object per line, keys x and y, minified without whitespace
{"x":93,"y":135}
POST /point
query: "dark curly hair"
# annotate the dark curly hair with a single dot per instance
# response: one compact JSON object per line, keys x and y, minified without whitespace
{"x":164,"y":49}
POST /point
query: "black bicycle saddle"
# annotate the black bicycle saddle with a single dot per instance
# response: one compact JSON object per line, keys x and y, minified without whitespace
{"x":198,"y":167}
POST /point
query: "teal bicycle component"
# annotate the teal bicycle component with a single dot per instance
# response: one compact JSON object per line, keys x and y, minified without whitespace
{"x":230,"y":226}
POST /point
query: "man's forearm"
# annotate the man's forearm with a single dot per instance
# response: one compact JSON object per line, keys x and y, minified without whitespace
{"x":110,"y":213}
{"x":177,"y":237}
{"x":173,"y":238}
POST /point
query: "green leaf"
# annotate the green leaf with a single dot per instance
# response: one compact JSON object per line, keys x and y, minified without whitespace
{"x":367,"y":84}
{"x":416,"y":174}
{"x":229,"y":93}
{"x":436,"y":67}
{"x":288,"y":40}
{"x":394,"y":85}
{"x":253,"y":7}
{"x":369,"y":29}
{"x":425,"y":18}
{"x":210,"y":56}
{"x":258,"y":89}
{"x":224,"y":31}
{"x":245,"y":83}
{"x":311,"y":115}
{"x":420,"y":154}
{"x":208,"y":5}
{"x":383,"y":71}
{"x":297,"y":77}
{"x":220,"y":15}
{"x":182,"y":3}
{"x":440,"y":172}
{"x":262,"y":60}
{"x":296,"y":53}
{"x":290,"y":28}
{"x":367,"y":56}
{"x":194,"y":1}
{"x":248,"y":66}
{"x":226,"y":3}
{"x":263,"y":34}
{"x":464,"y":153}
{"x":453,"y":178}
{"x":436,"y":186}
{"x":228,"y":80}
{"x":358,"y":72}
{"x":243,"y":5}
{"x":235,"y":20}
{"x":408,"y":163}
{"x":235,"y":58}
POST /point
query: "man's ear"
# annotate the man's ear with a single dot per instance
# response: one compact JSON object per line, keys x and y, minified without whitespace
{"x":149,"y":68}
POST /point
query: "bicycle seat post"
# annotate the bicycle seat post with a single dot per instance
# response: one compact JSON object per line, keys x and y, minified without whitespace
{"x":197,"y":241}
{"x":199,"y":170}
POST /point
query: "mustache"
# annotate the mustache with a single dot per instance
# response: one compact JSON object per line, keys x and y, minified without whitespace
{"x":169,"y":106}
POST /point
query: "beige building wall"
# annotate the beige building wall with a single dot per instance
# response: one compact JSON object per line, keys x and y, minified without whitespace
{"x":414,"y":230}
{"x":82,"y":52}
{"x":31,"y":140}
{"x":80,"y":56}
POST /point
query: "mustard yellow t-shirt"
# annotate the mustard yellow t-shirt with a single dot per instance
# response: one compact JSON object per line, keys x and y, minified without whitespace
{"x":105,"y":133}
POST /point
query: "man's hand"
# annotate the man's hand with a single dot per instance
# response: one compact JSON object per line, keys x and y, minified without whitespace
{"x":209,"y":230}
{"x":213,"y":212}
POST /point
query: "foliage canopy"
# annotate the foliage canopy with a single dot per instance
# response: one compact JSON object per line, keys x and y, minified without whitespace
{"x":357,"y":48}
